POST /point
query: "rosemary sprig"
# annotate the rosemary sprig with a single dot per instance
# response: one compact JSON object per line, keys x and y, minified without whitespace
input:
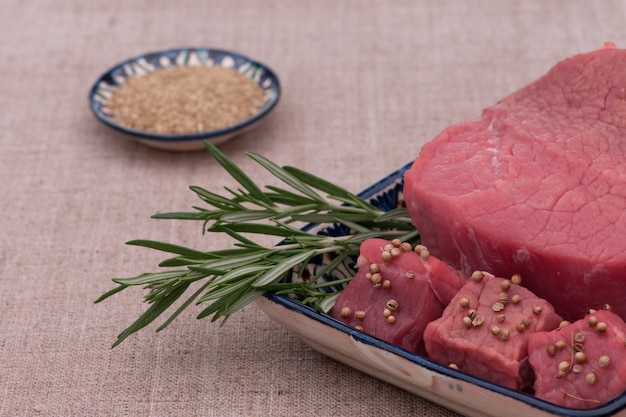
{"x":233,"y":278}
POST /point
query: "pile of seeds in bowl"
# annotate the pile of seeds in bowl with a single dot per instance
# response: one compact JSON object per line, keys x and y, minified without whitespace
{"x":186,"y":99}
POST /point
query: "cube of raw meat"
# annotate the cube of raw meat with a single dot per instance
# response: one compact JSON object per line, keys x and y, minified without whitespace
{"x":581,"y":365}
{"x":392,"y":297}
{"x":485,"y":329}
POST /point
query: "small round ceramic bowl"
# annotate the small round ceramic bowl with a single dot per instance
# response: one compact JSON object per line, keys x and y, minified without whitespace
{"x":113,"y":79}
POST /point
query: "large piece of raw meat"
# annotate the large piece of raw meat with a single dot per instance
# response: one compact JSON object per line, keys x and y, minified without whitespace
{"x":536,"y":186}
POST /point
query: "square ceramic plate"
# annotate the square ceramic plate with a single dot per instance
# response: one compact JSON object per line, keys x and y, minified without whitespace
{"x":452,"y":389}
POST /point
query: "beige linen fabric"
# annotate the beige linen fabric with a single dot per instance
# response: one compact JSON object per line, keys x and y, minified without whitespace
{"x":365,"y":84}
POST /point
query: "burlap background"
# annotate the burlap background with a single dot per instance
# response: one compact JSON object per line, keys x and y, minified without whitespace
{"x":366,"y":83}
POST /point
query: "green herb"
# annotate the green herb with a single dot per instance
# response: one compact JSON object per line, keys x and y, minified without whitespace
{"x":233,"y":278}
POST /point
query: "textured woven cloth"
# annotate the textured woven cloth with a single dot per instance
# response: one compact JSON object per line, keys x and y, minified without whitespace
{"x":365,"y":84}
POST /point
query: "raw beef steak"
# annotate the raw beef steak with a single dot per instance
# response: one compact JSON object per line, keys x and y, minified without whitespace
{"x":484,"y":330}
{"x":536,"y":186}
{"x":583,"y":364}
{"x":391,"y":296}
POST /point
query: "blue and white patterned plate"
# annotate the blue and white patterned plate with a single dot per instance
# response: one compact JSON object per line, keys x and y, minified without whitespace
{"x":452,"y":389}
{"x":115,"y":77}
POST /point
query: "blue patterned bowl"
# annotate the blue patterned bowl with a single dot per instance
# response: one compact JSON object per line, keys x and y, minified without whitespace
{"x":115,"y":77}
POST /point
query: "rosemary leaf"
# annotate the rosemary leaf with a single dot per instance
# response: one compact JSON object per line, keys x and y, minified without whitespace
{"x":281,"y":269}
{"x":180,"y":261}
{"x":222,"y":265}
{"x":154,"y":311}
{"x":183,"y":307}
{"x":237,"y":274}
{"x":237,"y":174}
{"x":285,"y":176}
{"x":284,"y":197}
{"x":167,"y":247}
{"x":111,"y":292}
{"x":216,"y":200}
{"x":247,"y":216}
{"x":400,"y":213}
{"x":261,"y":229}
{"x":151,"y":278}
{"x":331,"y":189}
{"x":241,"y":303}
{"x":326,"y":304}
{"x":176,"y":216}
{"x":335,"y":263}
{"x":217,"y":292}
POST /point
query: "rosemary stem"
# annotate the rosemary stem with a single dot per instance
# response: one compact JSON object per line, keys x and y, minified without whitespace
{"x":236,"y":277}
